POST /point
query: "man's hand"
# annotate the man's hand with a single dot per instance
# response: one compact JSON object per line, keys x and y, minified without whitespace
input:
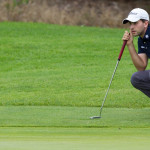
{"x":129,"y":37}
{"x":139,"y":60}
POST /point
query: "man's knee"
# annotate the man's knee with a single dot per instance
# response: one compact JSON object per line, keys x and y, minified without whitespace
{"x":135,"y":81}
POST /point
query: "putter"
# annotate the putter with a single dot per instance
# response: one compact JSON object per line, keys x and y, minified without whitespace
{"x":119,"y":58}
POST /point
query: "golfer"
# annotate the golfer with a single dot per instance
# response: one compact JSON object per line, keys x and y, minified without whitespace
{"x":138,"y":20}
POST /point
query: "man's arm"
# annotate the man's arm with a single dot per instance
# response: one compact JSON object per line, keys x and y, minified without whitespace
{"x":139,"y":60}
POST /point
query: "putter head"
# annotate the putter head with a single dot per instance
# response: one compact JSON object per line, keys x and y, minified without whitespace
{"x":95,"y":117}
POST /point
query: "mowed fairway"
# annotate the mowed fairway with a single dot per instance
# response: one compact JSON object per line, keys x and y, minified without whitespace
{"x":54,"y":78}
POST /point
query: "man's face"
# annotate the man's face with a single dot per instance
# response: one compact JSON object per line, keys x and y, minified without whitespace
{"x":138,"y":28}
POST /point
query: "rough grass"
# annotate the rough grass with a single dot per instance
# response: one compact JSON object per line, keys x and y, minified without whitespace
{"x":64,"y":66}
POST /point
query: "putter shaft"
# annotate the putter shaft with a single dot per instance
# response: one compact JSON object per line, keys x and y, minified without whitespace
{"x":108,"y":87}
{"x":119,"y":58}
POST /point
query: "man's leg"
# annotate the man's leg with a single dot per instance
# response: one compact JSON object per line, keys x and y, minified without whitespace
{"x":141,"y":81}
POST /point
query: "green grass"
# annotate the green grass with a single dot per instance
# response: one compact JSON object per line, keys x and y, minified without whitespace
{"x":74,"y":138}
{"x":58,"y":116}
{"x":51,"y":79}
{"x":45,"y":64}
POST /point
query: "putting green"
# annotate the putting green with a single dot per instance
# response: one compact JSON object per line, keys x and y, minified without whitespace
{"x":69,"y":128}
{"x":74,"y":138}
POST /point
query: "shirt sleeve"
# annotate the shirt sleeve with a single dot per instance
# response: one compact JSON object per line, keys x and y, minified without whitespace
{"x":140,"y":50}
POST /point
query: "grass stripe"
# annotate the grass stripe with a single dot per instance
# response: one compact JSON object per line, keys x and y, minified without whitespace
{"x":55,"y":116}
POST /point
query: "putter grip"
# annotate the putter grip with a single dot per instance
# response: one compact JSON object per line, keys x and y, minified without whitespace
{"x":122,"y":49}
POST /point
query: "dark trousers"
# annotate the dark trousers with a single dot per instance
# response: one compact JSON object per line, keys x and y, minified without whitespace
{"x":141,"y":81}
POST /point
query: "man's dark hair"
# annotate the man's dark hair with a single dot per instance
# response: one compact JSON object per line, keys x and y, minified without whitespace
{"x":143,"y":20}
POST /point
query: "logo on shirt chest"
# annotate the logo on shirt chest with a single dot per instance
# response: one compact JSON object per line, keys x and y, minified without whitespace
{"x":147,"y":36}
{"x":143,"y":47}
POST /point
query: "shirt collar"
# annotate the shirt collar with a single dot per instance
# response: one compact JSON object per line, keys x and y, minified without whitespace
{"x":147,"y":35}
